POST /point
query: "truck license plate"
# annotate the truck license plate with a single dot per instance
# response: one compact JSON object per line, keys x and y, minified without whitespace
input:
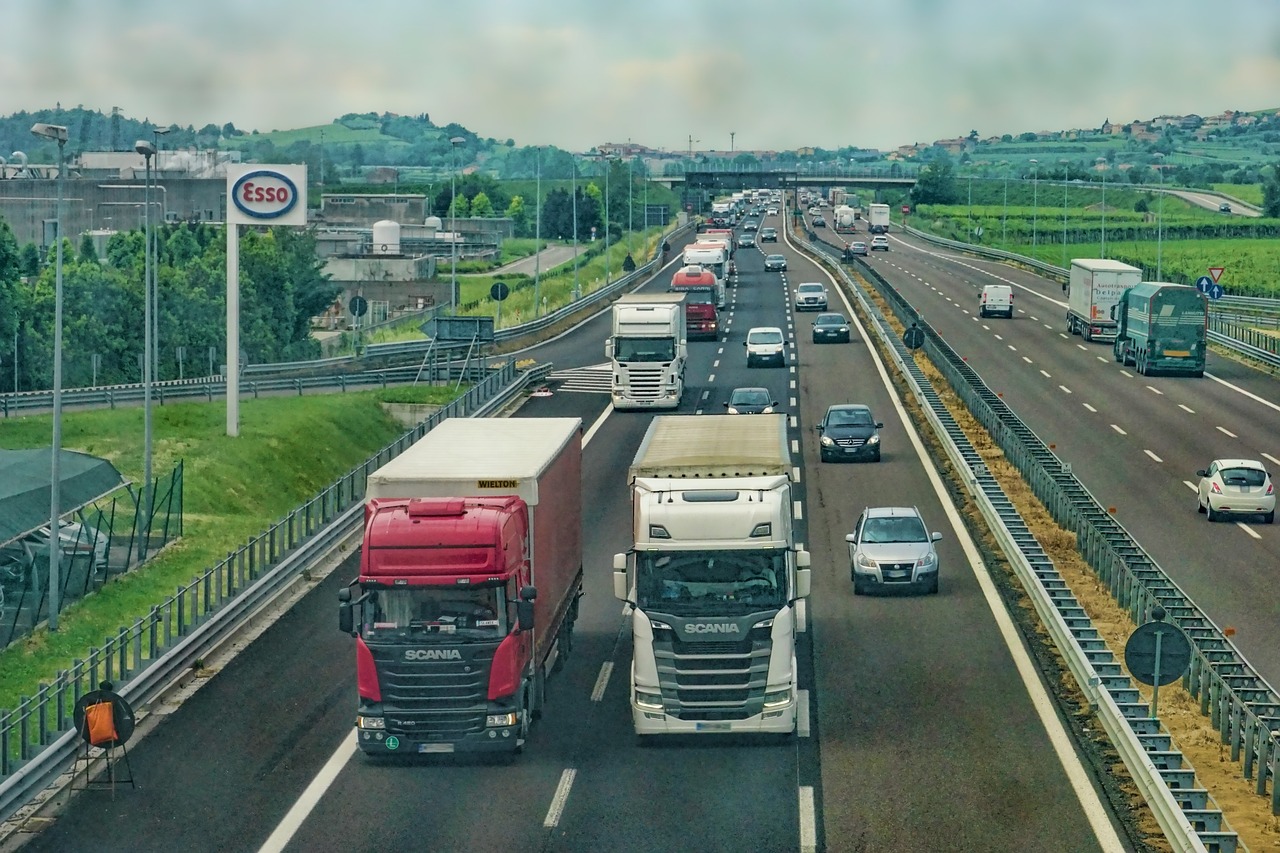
{"x":712,"y":727}
{"x":435,"y":747}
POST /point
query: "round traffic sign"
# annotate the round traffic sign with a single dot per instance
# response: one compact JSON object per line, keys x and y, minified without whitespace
{"x":1215,"y":291}
{"x":499,"y":291}
{"x":913,"y":338}
{"x":359,"y":306}
{"x":1203,"y":283}
{"x":1140,"y":653}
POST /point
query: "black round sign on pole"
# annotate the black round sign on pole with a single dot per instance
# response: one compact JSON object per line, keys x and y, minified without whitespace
{"x":122,"y":717}
{"x":499,"y":291}
{"x":359,"y":306}
{"x":1174,"y":656}
{"x":913,"y":338}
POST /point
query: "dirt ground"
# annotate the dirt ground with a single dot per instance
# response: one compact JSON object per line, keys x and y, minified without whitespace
{"x":1248,"y":814}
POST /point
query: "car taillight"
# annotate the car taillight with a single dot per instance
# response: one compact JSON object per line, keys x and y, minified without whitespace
{"x":1271,"y":488}
{"x":1215,"y":488}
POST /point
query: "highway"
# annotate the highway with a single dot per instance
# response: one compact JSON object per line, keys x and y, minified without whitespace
{"x":929,"y":726}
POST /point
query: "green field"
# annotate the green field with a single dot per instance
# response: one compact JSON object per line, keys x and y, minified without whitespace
{"x":334,"y":134}
{"x":289,"y":450}
{"x":1251,"y":193}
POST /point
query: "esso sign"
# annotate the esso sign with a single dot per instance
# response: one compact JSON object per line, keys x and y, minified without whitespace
{"x":264,"y":194}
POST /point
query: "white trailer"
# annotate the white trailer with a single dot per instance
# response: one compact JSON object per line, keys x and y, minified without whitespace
{"x":648,"y":350}
{"x":717,"y":581}
{"x":1095,"y":286}
{"x":845,"y":219}
{"x":878,"y":218}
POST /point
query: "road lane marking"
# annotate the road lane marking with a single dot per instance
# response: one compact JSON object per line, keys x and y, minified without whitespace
{"x":1187,"y":409}
{"x":1117,"y":429}
{"x":602,"y":681}
{"x":595,"y":427}
{"x":1065,"y":389}
{"x":1272,"y":458}
{"x":797,"y":510}
{"x":561,"y":796}
{"x":1045,"y":374}
{"x":803,"y":728}
{"x":1027,"y":360}
{"x":1228,"y":433}
{"x":292,"y":821}
{"x":1155,"y":390}
{"x":1152,"y":455}
{"x":808,"y":823}
{"x":795,"y":475}
{"x":1247,"y":529}
{"x":1090,"y":408}
{"x":795,"y":447}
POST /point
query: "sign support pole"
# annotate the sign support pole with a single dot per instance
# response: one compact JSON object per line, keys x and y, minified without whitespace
{"x":233,"y":329}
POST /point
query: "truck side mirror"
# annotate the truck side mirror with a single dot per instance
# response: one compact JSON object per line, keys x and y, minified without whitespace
{"x":346,"y":620}
{"x":620,"y":577}
{"x":524,"y":607}
{"x":608,"y":348}
{"x":803,"y":582}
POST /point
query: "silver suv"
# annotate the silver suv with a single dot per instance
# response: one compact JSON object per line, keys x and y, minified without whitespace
{"x":891,"y":547}
{"x":811,"y":296}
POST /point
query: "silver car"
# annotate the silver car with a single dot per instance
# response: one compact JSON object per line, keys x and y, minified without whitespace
{"x":891,"y":547}
{"x":811,"y":296}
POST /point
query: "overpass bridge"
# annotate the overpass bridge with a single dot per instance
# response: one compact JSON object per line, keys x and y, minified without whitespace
{"x":698,"y":188}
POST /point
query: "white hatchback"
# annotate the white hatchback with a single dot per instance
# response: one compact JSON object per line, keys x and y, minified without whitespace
{"x":1236,"y":487}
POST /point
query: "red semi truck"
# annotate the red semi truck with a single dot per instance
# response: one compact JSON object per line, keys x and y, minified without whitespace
{"x":701,"y":289}
{"x":470,"y":574}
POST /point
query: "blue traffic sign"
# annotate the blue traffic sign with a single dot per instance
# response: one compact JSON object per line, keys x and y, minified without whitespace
{"x":1203,"y":283}
{"x":1216,"y":291}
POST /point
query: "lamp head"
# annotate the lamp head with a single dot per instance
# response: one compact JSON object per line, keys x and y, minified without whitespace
{"x":145,"y":148}
{"x":56,"y":132}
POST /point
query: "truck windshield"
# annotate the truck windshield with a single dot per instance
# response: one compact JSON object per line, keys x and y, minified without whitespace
{"x":466,"y":611}
{"x":644,"y":349}
{"x":687,"y":583}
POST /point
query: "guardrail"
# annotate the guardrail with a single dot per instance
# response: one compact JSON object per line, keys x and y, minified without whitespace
{"x":1243,"y":707}
{"x":1222,"y":329}
{"x":37,"y":741}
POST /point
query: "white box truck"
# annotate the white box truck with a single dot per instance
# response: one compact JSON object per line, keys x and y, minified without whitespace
{"x":717,"y":580}
{"x":1095,"y":286}
{"x":878,"y":218}
{"x":647,"y":350}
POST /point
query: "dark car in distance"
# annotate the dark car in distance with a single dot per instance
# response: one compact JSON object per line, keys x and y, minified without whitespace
{"x":849,"y":431}
{"x":831,"y":328}
{"x":775,"y":263}
{"x":751,"y":401}
{"x":768,"y":235}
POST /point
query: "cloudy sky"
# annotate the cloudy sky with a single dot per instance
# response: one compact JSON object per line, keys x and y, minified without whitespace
{"x":757,"y":75}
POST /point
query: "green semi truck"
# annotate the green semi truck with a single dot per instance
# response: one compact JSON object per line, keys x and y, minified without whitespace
{"x":1161,"y":327}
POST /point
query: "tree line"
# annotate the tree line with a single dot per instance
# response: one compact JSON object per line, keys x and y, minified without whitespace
{"x":281,"y":289}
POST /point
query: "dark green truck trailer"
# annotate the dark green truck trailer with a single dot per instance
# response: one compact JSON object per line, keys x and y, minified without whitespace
{"x":1161,"y":327}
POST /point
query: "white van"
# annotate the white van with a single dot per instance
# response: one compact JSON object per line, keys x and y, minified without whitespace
{"x":996,"y":299}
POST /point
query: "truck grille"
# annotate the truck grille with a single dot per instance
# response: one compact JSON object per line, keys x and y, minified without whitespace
{"x":646,"y":383}
{"x":708,"y":680}
{"x":434,"y":700}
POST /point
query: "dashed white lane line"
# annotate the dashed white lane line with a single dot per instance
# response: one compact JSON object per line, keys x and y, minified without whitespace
{"x":1152,"y":455}
{"x":1090,"y":408}
{"x":1117,"y":429}
{"x":1154,"y":390}
{"x":1045,"y":374}
{"x":797,"y":510}
{"x":1228,"y":433}
{"x":808,"y":823}
{"x":602,"y":681}
{"x":1272,"y":458}
{"x":802,"y":713}
{"x":1187,"y":409}
{"x":561,"y":797}
{"x":288,"y":827}
{"x":1065,"y":389}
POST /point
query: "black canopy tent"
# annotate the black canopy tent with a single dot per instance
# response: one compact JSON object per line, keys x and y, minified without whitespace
{"x":24,"y":487}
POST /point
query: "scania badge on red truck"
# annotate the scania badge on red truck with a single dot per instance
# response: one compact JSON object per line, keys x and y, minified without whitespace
{"x":264,"y":194}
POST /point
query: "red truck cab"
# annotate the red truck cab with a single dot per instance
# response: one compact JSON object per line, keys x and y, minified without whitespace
{"x":702,"y":318}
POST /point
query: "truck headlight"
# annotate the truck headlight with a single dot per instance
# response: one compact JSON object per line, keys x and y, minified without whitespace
{"x":508,"y":719}
{"x":366,"y":722}
{"x":777,"y":698}
{"x":649,"y":700}
{"x":826,"y":441}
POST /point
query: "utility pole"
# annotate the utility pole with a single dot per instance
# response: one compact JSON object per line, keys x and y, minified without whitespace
{"x":732,"y":134}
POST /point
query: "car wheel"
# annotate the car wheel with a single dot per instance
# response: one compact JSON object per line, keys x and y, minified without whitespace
{"x":1270,"y":518}
{"x":1199,"y":506}
{"x":1213,"y":514}
{"x":876,"y":458}
{"x":932,"y":588}
{"x":859,"y":588}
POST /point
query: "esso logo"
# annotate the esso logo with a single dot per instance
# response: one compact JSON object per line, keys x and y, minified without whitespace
{"x":264,"y":194}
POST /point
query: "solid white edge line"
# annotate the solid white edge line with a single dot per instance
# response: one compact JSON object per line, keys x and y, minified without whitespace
{"x":595,"y":427}
{"x":1082,"y":786}
{"x":293,"y":819}
{"x":808,"y":821}
{"x":561,"y":797}
{"x":602,"y":681}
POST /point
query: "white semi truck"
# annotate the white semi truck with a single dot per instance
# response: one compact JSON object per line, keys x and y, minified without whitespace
{"x":647,"y":351}
{"x":716,"y":582}
{"x":1095,"y":286}
{"x":878,"y":218}
{"x":846,"y":219}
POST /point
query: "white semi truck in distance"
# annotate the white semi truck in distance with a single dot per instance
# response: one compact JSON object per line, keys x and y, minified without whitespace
{"x":1095,"y":286}
{"x":717,"y":580}
{"x":647,"y":351}
{"x":878,"y":218}
{"x":846,"y":219}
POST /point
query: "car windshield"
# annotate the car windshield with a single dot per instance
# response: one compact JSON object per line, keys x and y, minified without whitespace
{"x":644,"y":349}
{"x":849,"y":417}
{"x":750,"y":397}
{"x":1242,"y":477}
{"x":470,"y":612}
{"x":830,"y":320}
{"x":770,"y":337}
{"x":811,"y":288}
{"x":776,"y":259}
{"x":689,"y":583}
{"x":882,"y":531}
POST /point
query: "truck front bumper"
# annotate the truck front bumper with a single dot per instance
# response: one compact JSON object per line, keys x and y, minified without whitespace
{"x":777,"y":720}
{"x":669,"y":401}
{"x":378,"y":741}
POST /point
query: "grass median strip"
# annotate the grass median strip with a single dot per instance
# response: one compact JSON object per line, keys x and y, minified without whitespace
{"x":289,"y":450}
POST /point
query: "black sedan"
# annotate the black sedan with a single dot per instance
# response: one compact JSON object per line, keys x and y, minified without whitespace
{"x":751,"y":401}
{"x":831,"y":328}
{"x":849,"y":431}
{"x":775,"y":262}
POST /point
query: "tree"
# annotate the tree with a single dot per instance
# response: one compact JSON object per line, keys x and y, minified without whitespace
{"x":461,"y":207}
{"x":481,"y":206}
{"x":88,"y":252}
{"x":28,"y":259}
{"x":519,"y":215}
{"x":1271,"y":194}
{"x":1029,"y":136}
{"x":936,"y":183}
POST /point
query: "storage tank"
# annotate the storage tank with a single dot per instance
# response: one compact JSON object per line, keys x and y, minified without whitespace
{"x":433,"y":223}
{"x":386,"y":237}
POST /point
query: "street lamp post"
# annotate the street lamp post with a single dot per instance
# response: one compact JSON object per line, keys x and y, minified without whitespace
{"x":608,"y":161}
{"x":156,"y":133}
{"x":631,"y":209}
{"x":1004,"y":217}
{"x":1065,"y":166}
{"x":577,"y":288}
{"x":453,"y":227}
{"x":147,"y":150}
{"x":58,"y":133}
{"x":1159,"y":214}
{"x":537,"y":241}
{"x":1035,"y":201}
{"x":1102,"y":161}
